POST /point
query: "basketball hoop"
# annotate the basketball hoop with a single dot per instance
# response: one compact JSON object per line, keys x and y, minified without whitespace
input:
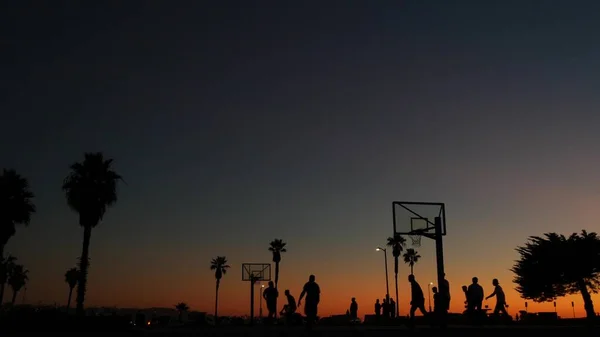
{"x":415,"y":237}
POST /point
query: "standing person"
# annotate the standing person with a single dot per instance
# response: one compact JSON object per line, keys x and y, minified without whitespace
{"x":500,"y":298}
{"x":385,"y":307}
{"x":377,"y":308}
{"x":313,"y":296}
{"x":444,"y":304}
{"x":353,"y":309}
{"x":392,"y":308}
{"x":270,"y":295}
{"x":474,"y":299}
{"x":417,"y":300}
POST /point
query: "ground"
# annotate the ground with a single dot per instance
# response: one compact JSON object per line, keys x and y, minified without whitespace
{"x":360,"y":331}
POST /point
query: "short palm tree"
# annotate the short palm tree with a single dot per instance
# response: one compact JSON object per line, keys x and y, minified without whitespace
{"x":397,"y":243}
{"x":220,"y":266}
{"x":90,"y":188}
{"x":181,"y":307}
{"x":71,"y":278}
{"x":17,"y":280}
{"x":16,"y":208}
{"x":411,"y":257}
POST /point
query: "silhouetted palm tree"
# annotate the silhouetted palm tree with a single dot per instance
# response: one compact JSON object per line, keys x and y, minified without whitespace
{"x":277,"y":246}
{"x":71,"y":277}
{"x":397,"y":243}
{"x":181,"y":308}
{"x":411,"y":257}
{"x":220,"y":266}
{"x":16,"y":208}
{"x":90,"y":188}
{"x":17,"y":279}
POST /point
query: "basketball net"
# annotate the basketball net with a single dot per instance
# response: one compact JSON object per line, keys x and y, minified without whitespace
{"x":415,"y":238}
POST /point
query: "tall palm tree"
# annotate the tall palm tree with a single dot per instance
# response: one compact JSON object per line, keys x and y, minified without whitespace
{"x":411,"y":257}
{"x":277,"y":246}
{"x":71,"y":277}
{"x":181,"y":308}
{"x":16,"y":208}
{"x":90,"y":188}
{"x":397,"y":243}
{"x":17,"y":280}
{"x":220,"y":266}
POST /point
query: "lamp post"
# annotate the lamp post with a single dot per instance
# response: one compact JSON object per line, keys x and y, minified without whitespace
{"x":387,"y":285}
{"x":429,"y":294}
{"x":260,"y":300}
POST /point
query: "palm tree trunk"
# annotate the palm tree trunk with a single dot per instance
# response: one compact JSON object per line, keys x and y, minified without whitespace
{"x":69,"y":301}
{"x":2,"y":274}
{"x":276,"y":282}
{"x":397,"y":308}
{"x":217,"y":301}
{"x":14,"y":298}
{"x":587,"y":299}
{"x":397,"y":302}
{"x":83,"y":268}
{"x":411,"y":269}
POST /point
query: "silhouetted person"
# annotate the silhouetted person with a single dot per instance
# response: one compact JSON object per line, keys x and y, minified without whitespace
{"x":417,"y":300}
{"x":437,"y":300}
{"x":465,"y":290}
{"x":289,"y":309}
{"x":385,"y":308}
{"x":392,"y":308}
{"x":444,"y":304}
{"x":500,"y":298}
{"x":313,"y":296}
{"x":474,"y":296}
{"x":270,"y":295}
{"x":353,"y":309}
{"x":377,"y":308}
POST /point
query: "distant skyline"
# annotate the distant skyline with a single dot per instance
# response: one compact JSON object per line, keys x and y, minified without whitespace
{"x":237,"y":123}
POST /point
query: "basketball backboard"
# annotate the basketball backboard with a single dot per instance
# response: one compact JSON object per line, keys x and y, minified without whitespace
{"x":412,"y":217}
{"x":260,"y":272}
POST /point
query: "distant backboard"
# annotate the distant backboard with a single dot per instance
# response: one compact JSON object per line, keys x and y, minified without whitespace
{"x":418,"y":217}
{"x":260,"y":271}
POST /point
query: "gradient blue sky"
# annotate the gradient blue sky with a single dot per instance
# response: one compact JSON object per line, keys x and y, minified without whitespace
{"x":234,"y":123}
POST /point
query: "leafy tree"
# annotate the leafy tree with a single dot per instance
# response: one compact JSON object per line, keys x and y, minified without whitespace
{"x":71,"y":278}
{"x":17,"y":280}
{"x":220,"y":266}
{"x":553,"y":266}
{"x":16,"y":208}
{"x":181,"y":307}
{"x":397,"y":243}
{"x":90,"y":188}
{"x":411,"y":257}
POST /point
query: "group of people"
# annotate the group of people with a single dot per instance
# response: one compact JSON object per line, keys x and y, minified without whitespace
{"x":474,"y":297}
{"x":385,"y":308}
{"x":313,"y":295}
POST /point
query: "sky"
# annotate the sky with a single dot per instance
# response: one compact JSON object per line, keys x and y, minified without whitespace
{"x":237,"y":122}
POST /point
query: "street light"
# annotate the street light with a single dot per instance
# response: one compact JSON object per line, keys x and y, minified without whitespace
{"x":387,"y":285}
{"x":260,"y":300}
{"x":429,"y":294}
